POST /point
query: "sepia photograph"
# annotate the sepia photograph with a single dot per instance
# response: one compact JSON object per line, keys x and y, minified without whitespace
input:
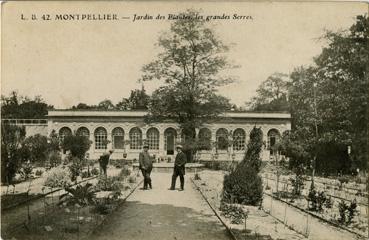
{"x":181,"y":120}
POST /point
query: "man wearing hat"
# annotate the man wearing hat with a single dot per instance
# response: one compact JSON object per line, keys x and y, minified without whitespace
{"x":145,"y":166}
{"x":104,"y":161}
{"x":179,"y":168}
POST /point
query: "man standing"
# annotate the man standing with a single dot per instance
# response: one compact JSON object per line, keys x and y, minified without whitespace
{"x":179,"y":168}
{"x":104,"y":161}
{"x":145,"y":166}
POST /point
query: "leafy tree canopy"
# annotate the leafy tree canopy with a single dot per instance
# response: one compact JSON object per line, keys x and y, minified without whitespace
{"x":271,"y":95}
{"x":138,"y":100}
{"x":15,"y":106}
{"x":190,"y":66}
{"x":333,"y":95}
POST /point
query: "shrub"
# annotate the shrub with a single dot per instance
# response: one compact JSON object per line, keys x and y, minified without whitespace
{"x":254,"y":147}
{"x":57,"y":177}
{"x":347,"y":212}
{"x":85,"y":174}
{"x":75,"y":168}
{"x":298,"y":181}
{"x":109,"y":184}
{"x":37,"y":146}
{"x":243,"y":185}
{"x":197,"y":176}
{"x":12,"y":137}
{"x":329,"y":202}
{"x":82,"y":195}
{"x":234,"y":212}
{"x":297,"y":184}
{"x":95,"y":171}
{"x":39,"y":172}
{"x":54,"y":158}
{"x":26,"y":170}
{"x":77,"y":145}
{"x":316,"y":199}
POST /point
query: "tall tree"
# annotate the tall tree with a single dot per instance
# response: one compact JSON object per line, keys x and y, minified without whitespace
{"x":16,"y":106}
{"x":11,"y":139}
{"x":138,"y":100}
{"x":329,"y":100}
{"x":271,"y":94}
{"x":190,"y":66}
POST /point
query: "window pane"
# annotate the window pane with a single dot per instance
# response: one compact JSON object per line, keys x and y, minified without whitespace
{"x":222,"y":139}
{"x":100,"y":138}
{"x":153,"y":138}
{"x":239,"y":140}
{"x":118,"y":142}
{"x":135,"y":137}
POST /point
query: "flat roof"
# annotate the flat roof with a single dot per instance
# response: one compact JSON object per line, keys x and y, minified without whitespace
{"x":79,"y":113}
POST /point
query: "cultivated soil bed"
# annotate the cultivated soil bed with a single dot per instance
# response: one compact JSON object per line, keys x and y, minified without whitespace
{"x":259,"y":224}
{"x":58,"y":222}
{"x":347,"y":193}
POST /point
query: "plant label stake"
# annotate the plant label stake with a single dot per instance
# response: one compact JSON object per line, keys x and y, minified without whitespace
{"x":43,"y":193}
{"x":245,"y":215}
{"x":307,"y":225}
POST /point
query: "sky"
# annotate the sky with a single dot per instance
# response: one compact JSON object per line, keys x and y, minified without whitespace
{"x":73,"y":61}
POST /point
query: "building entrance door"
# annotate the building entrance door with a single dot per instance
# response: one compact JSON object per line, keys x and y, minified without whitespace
{"x":170,"y":144}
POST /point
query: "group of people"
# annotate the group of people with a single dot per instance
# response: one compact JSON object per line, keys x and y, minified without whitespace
{"x":145,"y":165}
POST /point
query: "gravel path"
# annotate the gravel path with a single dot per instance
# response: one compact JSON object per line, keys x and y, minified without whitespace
{"x":163,"y":214}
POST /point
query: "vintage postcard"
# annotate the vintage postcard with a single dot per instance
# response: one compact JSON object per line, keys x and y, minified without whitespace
{"x":184,"y":120}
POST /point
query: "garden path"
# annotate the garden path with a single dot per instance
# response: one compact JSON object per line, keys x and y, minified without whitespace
{"x":163,"y":214}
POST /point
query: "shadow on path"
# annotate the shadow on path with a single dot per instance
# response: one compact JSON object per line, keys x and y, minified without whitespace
{"x":135,"y":220}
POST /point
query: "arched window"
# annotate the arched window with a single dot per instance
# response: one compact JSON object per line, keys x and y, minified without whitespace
{"x":170,"y":135}
{"x":152,"y":137}
{"x":239,"y":136}
{"x":273,"y":137}
{"x":118,"y":138}
{"x":205,"y":139}
{"x":222,"y":139}
{"x":83,"y":131}
{"x":64,"y":131}
{"x":101,"y":137}
{"x":135,"y":137}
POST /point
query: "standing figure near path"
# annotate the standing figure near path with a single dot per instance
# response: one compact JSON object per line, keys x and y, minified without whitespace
{"x":104,"y":161}
{"x":179,"y":168}
{"x":145,"y":166}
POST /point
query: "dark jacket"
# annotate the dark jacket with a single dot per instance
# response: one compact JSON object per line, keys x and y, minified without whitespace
{"x":180,"y":162}
{"x":145,"y":161}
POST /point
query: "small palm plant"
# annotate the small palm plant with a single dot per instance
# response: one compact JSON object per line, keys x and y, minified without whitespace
{"x":81,"y":195}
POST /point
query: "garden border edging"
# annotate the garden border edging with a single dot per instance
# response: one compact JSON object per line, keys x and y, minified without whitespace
{"x":229,"y":229}
{"x":119,"y":205}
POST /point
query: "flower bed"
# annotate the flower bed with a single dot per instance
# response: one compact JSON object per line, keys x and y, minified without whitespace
{"x":259,"y":225}
{"x":83,"y":208}
{"x":330,"y":211}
